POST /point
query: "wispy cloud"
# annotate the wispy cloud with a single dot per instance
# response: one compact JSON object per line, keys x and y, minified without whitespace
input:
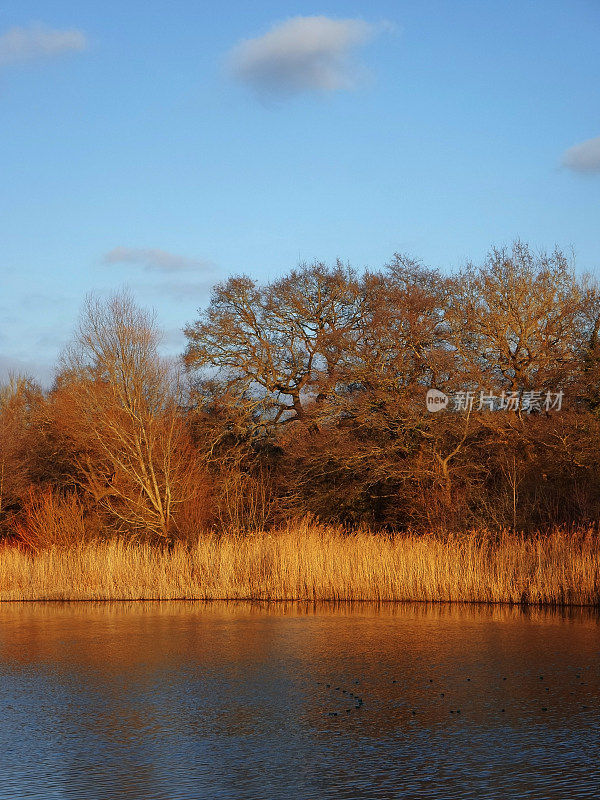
{"x":38,"y":41}
{"x":583,"y":157}
{"x":302,"y":54}
{"x":154,"y":260}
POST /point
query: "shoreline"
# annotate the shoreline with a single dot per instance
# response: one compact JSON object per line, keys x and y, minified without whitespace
{"x":549,"y":606}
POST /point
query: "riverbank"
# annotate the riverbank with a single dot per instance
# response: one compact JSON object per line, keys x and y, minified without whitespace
{"x":309,"y":562}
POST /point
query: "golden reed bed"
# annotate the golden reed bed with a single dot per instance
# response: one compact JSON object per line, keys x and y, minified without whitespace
{"x":309,"y":562}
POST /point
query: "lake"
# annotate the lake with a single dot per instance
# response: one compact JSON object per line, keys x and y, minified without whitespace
{"x":174,"y":701}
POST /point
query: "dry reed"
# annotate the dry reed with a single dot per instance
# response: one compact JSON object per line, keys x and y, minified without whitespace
{"x":310,"y":562}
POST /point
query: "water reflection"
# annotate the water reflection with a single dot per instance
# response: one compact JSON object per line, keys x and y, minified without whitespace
{"x":192,"y":700}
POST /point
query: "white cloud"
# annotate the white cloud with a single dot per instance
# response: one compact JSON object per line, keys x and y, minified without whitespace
{"x":303,"y":54}
{"x":153,"y":259}
{"x":38,"y":41}
{"x":583,"y":157}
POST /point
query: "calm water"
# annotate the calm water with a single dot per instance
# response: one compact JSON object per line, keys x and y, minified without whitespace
{"x":176,"y":700}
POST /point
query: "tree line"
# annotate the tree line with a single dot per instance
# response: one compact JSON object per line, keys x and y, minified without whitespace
{"x":306,"y":396}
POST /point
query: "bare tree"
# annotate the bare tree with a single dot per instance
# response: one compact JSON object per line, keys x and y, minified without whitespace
{"x":518,"y":322}
{"x":20,"y":398}
{"x":276,"y":348}
{"x":120,"y":406}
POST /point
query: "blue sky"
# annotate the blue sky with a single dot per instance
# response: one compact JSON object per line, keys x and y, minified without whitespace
{"x":165,"y":146}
